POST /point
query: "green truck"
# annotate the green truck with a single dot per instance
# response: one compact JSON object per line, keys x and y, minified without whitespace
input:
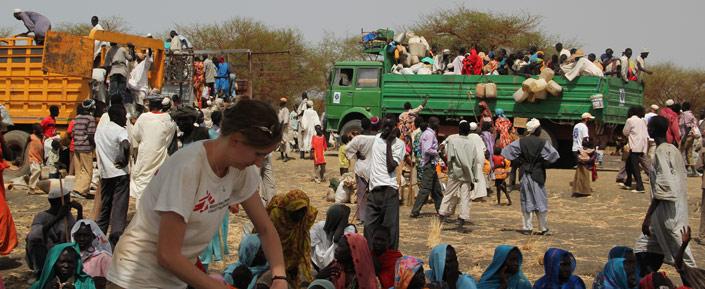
{"x":362,"y":89}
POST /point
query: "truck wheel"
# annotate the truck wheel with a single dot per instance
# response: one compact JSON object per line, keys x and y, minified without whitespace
{"x":16,"y":141}
{"x":350,"y":126}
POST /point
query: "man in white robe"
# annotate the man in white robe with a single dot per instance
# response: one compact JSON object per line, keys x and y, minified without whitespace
{"x":153,"y":132}
{"x":480,"y":183}
{"x":283,"y":115}
{"x":300,"y":114}
{"x":309,"y":121}
{"x":138,"y":84}
{"x":667,"y":215}
{"x":462,"y":173}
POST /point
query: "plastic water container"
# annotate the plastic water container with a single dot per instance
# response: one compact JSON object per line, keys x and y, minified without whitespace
{"x":490,"y":90}
{"x":480,"y":90}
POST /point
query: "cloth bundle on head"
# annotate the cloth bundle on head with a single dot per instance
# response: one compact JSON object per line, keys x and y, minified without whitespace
{"x":532,"y":125}
{"x":99,"y":244}
{"x":81,"y":279}
{"x":405,"y":269}
{"x":250,"y":245}
{"x":437,"y":262}
{"x":336,"y":221}
{"x":552,"y":266}
{"x":295,"y":236}
{"x":492,"y":278}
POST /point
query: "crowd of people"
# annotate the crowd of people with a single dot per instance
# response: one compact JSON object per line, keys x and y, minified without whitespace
{"x":567,"y":62}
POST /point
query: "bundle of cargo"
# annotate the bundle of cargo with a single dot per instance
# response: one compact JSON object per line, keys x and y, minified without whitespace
{"x":537,"y":89}
{"x":486,"y":90}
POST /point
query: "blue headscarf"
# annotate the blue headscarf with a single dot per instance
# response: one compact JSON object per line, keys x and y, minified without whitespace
{"x":491,"y":279}
{"x":437,"y":262}
{"x":552,"y":267}
{"x":619,"y":252}
{"x":249,"y":246}
{"x":499,"y":112}
{"x":614,"y":275}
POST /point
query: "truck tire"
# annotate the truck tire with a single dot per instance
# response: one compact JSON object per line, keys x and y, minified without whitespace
{"x":16,"y":141}
{"x":350,"y":126}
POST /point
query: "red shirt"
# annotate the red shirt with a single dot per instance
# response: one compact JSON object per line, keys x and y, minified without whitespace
{"x":49,"y":126}
{"x":69,"y":131}
{"x":319,"y":145}
{"x":673,"y":135}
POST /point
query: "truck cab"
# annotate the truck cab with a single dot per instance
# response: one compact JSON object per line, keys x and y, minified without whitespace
{"x":354,"y":92}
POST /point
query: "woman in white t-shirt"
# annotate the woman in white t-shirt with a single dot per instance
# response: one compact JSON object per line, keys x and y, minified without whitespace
{"x":184,"y":204}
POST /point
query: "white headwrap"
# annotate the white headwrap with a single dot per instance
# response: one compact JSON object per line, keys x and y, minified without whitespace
{"x":100,"y":243}
{"x":16,"y":11}
{"x":532,"y":125}
{"x":309,"y":103}
{"x":670,"y":102}
{"x":473,"y":126}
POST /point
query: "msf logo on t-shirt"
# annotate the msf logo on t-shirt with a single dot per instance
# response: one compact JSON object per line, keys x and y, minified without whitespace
{"x":204,"y":203}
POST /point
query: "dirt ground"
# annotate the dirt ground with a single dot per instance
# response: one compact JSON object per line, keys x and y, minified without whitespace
{"x":588,"y":227}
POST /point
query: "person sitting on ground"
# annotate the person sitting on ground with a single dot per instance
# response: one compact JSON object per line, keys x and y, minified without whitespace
{"x":326,"y":234}
{"x":293,"y":216}
{"x":95,"y":250}
{"x":64,"y":269}
{"x":51,"y":227}
{"x":353,"y":267}
{"x":559,"y":266}
{"x":692,"y":277}
{"x":585,"y":171}
{"x":384,"y":256}
{"x":409,"y":273}
{"x":251,"y":256}
{"x":617,"y":252}
{"x":505,"y":270}
{"x":656,"y":280}
{"x":619,"y":274}
{"x":444,"y":268}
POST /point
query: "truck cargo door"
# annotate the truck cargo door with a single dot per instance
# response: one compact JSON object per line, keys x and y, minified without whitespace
{"x":367,"y":91}
{"x":68,"y":54}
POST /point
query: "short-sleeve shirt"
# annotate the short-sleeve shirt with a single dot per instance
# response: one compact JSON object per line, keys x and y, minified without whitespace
{"x":108,"y":137}
{"x":379,"y":176}
{"x":580,"y":131}
{"x":186,"y":185}
{"x":83,"y":127}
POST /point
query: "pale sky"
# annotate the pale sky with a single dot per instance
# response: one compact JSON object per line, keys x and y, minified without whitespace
{"x":671,"y":30}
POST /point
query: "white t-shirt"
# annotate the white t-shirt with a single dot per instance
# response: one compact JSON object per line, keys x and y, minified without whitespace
{"x":108,"y":136}
{"x":186,"y":185}
{"x":378,"y":163}
{"x":580,"y":131}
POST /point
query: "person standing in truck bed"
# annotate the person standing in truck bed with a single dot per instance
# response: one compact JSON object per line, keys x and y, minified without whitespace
{"x":35,"y":22}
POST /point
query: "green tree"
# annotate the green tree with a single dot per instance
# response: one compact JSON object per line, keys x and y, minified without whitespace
{"x":464,"y":27}
{"x":672,"y":82}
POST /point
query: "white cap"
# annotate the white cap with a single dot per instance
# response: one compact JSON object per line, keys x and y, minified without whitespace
{"x":473,"y":126}
{"x":644,"y":50}
{"x":462,"y":121}
{"x":587,"y":115}
{"x":149,"y":35}
{"x":654,"y":107}
{"x":532,"y":125}
{"x":670,"y":102}
{"x":166,"y":101}
{"x":17,"y":10}
{"x":310,"y":103}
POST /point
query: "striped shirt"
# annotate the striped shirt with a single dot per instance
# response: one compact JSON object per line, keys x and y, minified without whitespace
{"x":83,"y":127}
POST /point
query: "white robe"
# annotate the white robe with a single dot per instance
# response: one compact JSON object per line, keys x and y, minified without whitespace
{"x":152,"y":132}
{"x":139,"y":76}
{"x":97,"y":43}
{"x":322,"y":249}
{"x":480,"y":190}
{"x":309,"y":121}
{"x":582,"y":67}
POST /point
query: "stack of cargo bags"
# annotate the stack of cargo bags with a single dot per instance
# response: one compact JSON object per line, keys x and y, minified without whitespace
{"x":533,"y":89}
{"x":411,"y":54}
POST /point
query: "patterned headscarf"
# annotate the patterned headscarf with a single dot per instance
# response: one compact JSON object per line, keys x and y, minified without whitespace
{"x":406,"y":268}
{"x":295,"y":236}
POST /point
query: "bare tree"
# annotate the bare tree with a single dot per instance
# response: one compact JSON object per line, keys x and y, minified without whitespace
{"x":110,"y":23}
